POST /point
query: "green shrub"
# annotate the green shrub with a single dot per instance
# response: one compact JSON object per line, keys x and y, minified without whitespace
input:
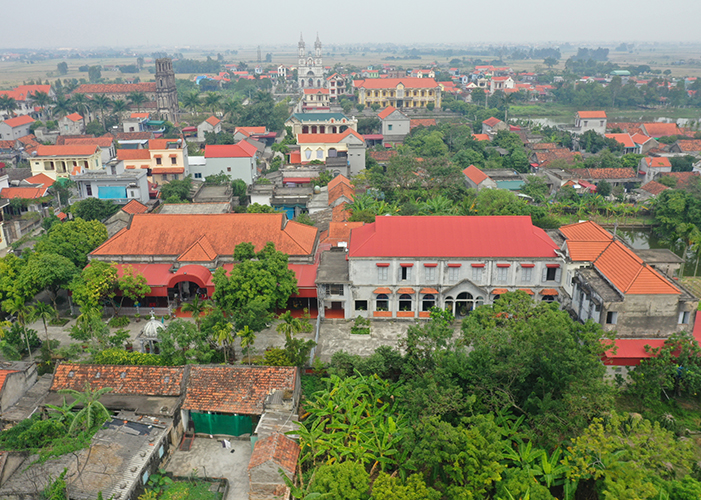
{"x":361,"y":326}
{"x":115,"y":356}
{"x":119,"y":321}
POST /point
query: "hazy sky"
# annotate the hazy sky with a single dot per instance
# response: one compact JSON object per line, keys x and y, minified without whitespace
{"x":81,"y":23}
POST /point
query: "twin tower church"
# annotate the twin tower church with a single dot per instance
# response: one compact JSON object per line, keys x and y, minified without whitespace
{"x":310,"y":71}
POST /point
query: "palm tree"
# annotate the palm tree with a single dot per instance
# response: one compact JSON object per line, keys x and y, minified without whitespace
{"x":93,"y":412}
{"x":211,"y":100}
{"x":225,"y":337}
{"x":101,"y":102}
{"x":23,"y":313}
{"x":197,"y":306}
{"x":45,"y":312}
{"x":42,"y":99}
{"x":290,"y":325}
{"x":62,"y":107}
{"x":230,"y":107}
{"x":137,"y":99}
{"x":79,"y":103}
{"x":119,"y":106}
{"x":8,"y":104}
{"x":248,"y":337}
{"x":191,"y":101}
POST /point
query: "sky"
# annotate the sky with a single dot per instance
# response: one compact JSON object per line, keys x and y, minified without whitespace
{"x":227,"y":23}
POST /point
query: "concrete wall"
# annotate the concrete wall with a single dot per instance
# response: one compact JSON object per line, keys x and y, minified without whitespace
{"x":8,"y":133}
{"x":265,"y":482}
{"x":396,"y":126}
{"x":16,"y":384}
{"x":356,"y":158}
{"x":237,"y":168}
{"x":648,"y":316}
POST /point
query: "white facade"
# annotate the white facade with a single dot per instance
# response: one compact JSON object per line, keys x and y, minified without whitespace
{"x":9,"y":133}
{"x":310,"y":71}
{"x":121,"y":187}
{"x":237,"y":168}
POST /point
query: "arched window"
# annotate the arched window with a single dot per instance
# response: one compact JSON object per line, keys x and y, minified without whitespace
{"x":405,"y":302}
{"x":322,"y":129}
{"x":382,"y":302}
{"x":428,"y":302}
{"x":319,"y":154}
{"x":305,"y":129}
{"x":479,"y":301}
{"x":548,"y":298}
{"x":318,"y":83}
{"x":301,"y":83}
{"x":311,"y":82}
{"x":314,"y":129}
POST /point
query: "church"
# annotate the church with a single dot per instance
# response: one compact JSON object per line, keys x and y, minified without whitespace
{"x":310,"y":71}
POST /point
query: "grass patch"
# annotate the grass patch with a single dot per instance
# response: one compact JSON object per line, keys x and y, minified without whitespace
{"x":678,"y":415}
{"x":189,"y":490}
{"x":311,"y":384}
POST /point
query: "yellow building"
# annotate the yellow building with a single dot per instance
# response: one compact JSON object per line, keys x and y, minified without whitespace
{"x":63,"y":161}
{"x":165,"y":159}
{"x":399,"y":92}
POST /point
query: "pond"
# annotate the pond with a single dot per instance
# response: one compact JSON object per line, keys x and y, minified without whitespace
{"x":644,"y":239}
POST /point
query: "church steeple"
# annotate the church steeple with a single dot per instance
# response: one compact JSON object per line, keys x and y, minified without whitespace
{"x":317,"y":46}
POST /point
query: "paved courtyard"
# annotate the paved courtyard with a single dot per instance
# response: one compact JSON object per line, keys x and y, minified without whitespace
{"x":207,"y":458}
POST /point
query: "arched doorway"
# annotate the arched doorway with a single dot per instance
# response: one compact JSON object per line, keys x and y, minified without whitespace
{"x":449,"y":305}
{"x":464,"y":304}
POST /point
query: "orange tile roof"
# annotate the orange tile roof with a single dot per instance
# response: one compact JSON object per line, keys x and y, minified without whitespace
{"x":391,"y":83}
{"x":339,"y":231}
{"x":382,"y":290}
{"x":587,"y":241}
{"x":236,"y":389}
{"x":160,"y":143}
{"x":544,"y":146}
{"x":135,"y":207}
{"x":167,"y":170}
{"x":386,"y":112}
{"x":475,"y":174}
{"x":339,"y":213}
{"x":499,"y":291}
{"x":26,"y":139}
{"x":585,"y":231}
{"x":661,"y":129}
{"x":67,"y":150}
{"x":382,"y":155}
{"x":628,"y":127}
{"x":658,"y":161}
{"x":3,"y":376}
{"x":428,"y":290}
{"x":200,"y":251}
{"x":74,"y":117}
{"x":491,"y":122}
{"x":549,"y":291}
{"x":422,"y":122}
{"x":7,"y":144}
{"x":173,"y":234}
{"x":133,"y":380}
{"x":624,"y":139}
{"x":103,"y":142}
{"x":545,"y":157}
{"x":603,"y":173}
{"x":42,"y":179}
{"x":316,"y":91}
{"x":22,"y":193}
{"x":248,"y":131}
{"x":683,"y":178}
{"x":276,"y":448}
{"x":689,"y":145}
{"x":592,"y":114}
{"x":326,"y":138}
{"x":213,"y":121}
{"x":133,"y":154}
{"x":18,"y":121}
{"x":339,"y":179}
{"x":481,"y":137}
{"x":115,"y":88}
{"x":653,"y":187}
{"x":132,"y":136}
{"x":140,"y":115}
{"x":640,"y":138}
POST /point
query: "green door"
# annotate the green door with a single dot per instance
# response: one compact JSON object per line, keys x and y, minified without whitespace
{"x":221,"y":423}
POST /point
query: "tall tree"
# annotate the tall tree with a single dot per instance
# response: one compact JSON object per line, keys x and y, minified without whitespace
{"x":73,"y":239}
{"x":8,"y":104}
{"x":93,"y":413}
{"x":137,"y":99}
{"x":47,"y":271}
{"x":101,"y":103}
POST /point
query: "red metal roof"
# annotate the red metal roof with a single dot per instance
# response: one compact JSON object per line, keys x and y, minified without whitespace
{"x":227,"y":151}
{"x":592,"y":114}
{"x":451,"y":236}
{"x":475,"y":174}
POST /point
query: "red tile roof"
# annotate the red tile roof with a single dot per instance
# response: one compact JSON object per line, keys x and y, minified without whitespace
{"x":390,"y":83}
{"x":132,"y":136}
{"x":200,"y":251}
{"x":74,"y":117}
{"x":661,"y":129}
{"x":133,"y":154}
{"x":236,"y":389}
{"x":592,"y":114}
{"x":213,"y":121}
{"x":544,"y":146}
{"x":229,"y":150}
{"x":278,"y":449}
{"x":115,"y":88}
{"x":481,"y":137}
{"x":340,"y":231}
{"x":653,"y":187}
{"x":140,"y":115}
{"x":491,"y":122}
{"x":27,"y":139}
{"x":172,"y":234}
{"x":135,"y":207}
{"x":339,"y":213}
{"x":628,"y":127}
{"x":475,"y":174}
{"x":545,"y":157}
{"x":316,"y":91}
{"x":422,"y":122}
{"x":641,"y":138}
{"x":18,"y":121}
{"x":248,"y":131}
{"x":683,"y":178}
{"x":451,"y":236}
{"x":340,"y":189}
{"x":382,"y":155}
{"x":7,"y":144}
{"x":133,"y":380}
{"x":67,"y":150}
